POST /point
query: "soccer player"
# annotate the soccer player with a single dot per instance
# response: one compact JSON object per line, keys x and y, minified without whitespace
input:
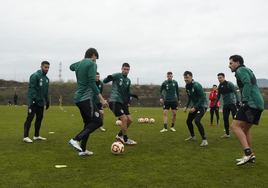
{"x":171,"y":99}
{"x":37,"y":92}
{"x":119,"y":92}
{"x":197,"y":96}
{"x":15,"y":99}
{"x":85,"y":71}
{"x":251,"y":109}
{"x":230,"y":101}
{"x":96,"y":100}
{"x":214,"y":108}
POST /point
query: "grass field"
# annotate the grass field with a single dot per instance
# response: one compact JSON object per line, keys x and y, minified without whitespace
{"x":158,"y":160}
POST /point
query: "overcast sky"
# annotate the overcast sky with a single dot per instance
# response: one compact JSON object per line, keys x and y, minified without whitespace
{"x":153,"y":36}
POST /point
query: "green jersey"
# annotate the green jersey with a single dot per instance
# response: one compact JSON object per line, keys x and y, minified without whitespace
{"x":100,"y":86}
{"x":38,"y":88}
{"x":196,"y":95}
{"x":228,"y":92}
{"x":171,"y":91}
{"x":120,"y":87}
{"x":85,"y":72}
{"x":247,"y":84}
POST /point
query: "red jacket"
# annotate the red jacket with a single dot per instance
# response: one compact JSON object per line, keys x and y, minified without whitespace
{"x":212,"y":98}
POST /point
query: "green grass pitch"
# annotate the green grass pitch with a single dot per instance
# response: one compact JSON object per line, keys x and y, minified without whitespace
{"x":158,"y":160}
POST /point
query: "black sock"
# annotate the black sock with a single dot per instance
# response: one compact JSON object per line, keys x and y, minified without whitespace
{"x":172,"y":125}
{"x":120,"y":133}
{"x":247,"y":152}
{"x":165,"y":126}
{"x":125,"y":138}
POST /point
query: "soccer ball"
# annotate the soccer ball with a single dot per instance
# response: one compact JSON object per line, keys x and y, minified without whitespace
{"x":140,"y":120}
{"x":118,"y":122}
{"x":117,"y":148}
{"x":146,"y":120}
{"x":152,"y":120}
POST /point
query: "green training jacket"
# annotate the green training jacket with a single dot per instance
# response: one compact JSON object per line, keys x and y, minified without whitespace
{"x":196,"y":95}
{"x":247,"y":84}
{"x":38,"y":88}
{"x":99,"y":84}
{"x":85,"y":72}
{"x":228,"y":92}
{"x":171,"y":91}
{"x":120,"y":87}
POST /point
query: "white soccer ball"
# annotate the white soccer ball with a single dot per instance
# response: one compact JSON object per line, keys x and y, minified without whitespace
{"x":117,"y":148}
{"x":118,"y":122}
{"x":146,"y":120}
{"x":140,"y":120}
{"x":152,"y":120}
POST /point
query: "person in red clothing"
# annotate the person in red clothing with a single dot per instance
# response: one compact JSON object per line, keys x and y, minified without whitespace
{"x":212,"y":98}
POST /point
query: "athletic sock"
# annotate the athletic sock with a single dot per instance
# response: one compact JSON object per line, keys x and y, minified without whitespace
{"x":125,"y":138}
{"x":247,"y":152}
{"x":165,"y":126}
{"x":120,"y":133}
{"x":172,"y":125}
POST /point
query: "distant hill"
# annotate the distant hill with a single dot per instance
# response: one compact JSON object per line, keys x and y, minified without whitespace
{"x":262,"y":82}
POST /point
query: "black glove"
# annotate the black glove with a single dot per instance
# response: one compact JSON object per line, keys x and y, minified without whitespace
{"x":110,"y":77}
{"x":47,"y":105}
{"x":34,"y":102}
{"x":245,"y":105}
{"x":237,"y":104}
{"x":135,"y":96}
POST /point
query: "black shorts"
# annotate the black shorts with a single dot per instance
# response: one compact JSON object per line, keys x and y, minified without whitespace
{"x":119,"y":109}
{"x":173,"y":105}
{"x":99,"y":105}
{"x":250,"y":115}
{"x":214,"y":108}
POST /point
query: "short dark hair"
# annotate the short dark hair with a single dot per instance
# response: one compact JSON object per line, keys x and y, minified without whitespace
{"x":221,"y":74}
{"x":97,"y":73}
{"x":125,"y":65}
{"x":169,"y":72}
{"x":214,"y":85}
{"x":90,"y":52}
{"x":237,"y":58}
{"x":45,"y":63}
{"x":187,"y":72}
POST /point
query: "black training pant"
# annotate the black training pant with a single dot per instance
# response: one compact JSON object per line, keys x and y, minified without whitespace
{"x":216,"y":110}
{"x":196,"y":116}
{"x":91,"y":118}
{"x":32,"y":110}
{"x":226,"y":111}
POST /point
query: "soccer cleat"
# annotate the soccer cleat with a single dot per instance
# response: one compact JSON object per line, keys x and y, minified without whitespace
{"x":130,"y":142}
{"x":102,"y":129}
{"x":85,"y":153}
{"x":172,"y":129}
{"x":210,"y":124}
{"x":39,"y":138}
{"x":204,"y":143}
{"x":191,"y":138}
{"x":164,"y":130}
{"x":218,"y":125}
{"x":226,"y":136}
{"x":120,"y":138}
{"x":27,"y":139}
{"x":75,"y":145}
{"x":245,"y":159}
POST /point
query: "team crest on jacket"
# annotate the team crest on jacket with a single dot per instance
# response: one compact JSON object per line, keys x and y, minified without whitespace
{"x":97,"y":114}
